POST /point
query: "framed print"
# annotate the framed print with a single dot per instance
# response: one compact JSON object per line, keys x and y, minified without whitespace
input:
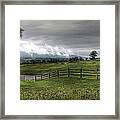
{"x":60,"y":60}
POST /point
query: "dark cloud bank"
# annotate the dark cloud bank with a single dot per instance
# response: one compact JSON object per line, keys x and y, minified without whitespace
{"x":81,"y":36}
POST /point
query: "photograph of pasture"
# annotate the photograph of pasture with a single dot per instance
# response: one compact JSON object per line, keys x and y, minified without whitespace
{"x":59,"y":60}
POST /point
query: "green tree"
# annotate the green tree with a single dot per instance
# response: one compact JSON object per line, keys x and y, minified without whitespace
{"x":93,"y":54}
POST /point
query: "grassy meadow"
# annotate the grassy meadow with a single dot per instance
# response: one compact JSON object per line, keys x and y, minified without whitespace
{"x":38,"y":68}
{"x":62,"y":88}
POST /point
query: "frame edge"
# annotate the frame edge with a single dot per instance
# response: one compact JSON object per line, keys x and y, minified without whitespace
{"x":2,"y":77}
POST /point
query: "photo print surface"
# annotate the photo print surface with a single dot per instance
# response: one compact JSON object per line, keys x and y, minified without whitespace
{"x":60,"y":59}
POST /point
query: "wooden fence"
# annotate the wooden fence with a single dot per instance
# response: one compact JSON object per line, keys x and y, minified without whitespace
{"x":70,"y":72}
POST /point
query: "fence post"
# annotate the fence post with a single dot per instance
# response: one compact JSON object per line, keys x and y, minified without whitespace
{"x":58,"y":73}
{"x":25,"y":77}
{"x":68,"y":72}
{"x":49,"y":74}
{"x":81,"y":73}
{"x":97,"y":73}
{"x":35,"y":77}
{"x":41,"y":76}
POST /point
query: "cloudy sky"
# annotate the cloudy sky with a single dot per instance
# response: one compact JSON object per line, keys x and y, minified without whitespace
{"x":77,"y":37}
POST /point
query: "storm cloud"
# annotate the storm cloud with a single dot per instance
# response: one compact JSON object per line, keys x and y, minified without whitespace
{"x":80,"y":36}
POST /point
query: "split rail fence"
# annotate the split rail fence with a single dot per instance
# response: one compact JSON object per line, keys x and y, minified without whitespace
{"x":70,"y":72}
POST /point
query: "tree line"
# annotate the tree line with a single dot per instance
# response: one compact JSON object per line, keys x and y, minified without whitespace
{"x":92,"y":55}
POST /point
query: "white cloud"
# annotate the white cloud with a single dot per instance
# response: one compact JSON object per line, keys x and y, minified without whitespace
{"x":29,"y":47}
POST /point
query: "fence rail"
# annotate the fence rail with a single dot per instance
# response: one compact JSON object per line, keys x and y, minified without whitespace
{"x":70,"y":72}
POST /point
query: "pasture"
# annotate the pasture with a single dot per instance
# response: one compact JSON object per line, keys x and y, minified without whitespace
{"x":61,"y":88}
{"x":30,"y":69}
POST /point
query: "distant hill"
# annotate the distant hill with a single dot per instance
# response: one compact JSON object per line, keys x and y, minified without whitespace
{"x":36,"y":55}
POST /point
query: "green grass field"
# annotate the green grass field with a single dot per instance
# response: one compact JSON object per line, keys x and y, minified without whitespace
{"x":37,"y":68}
{"x":65,"y":88}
